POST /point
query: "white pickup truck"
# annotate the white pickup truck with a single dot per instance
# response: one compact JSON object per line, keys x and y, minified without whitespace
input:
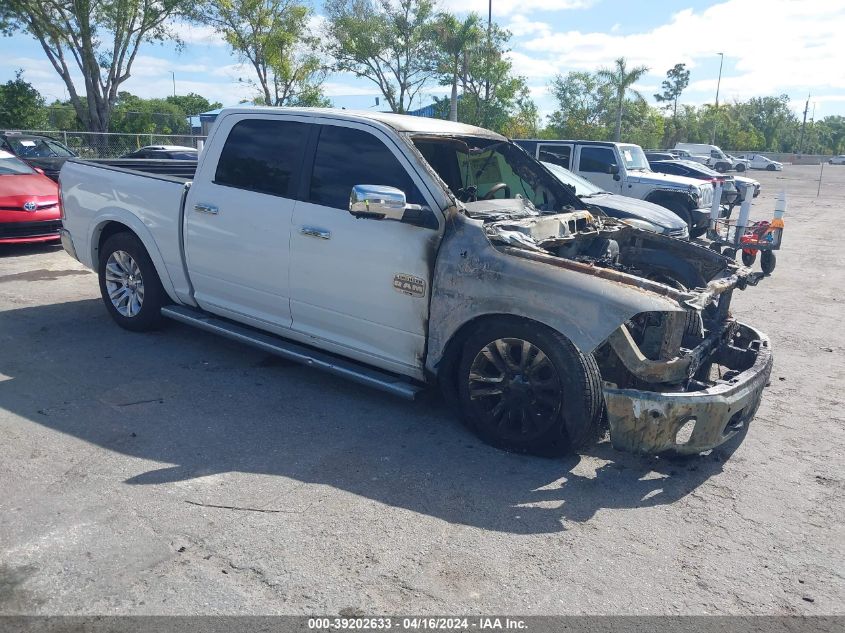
{"x":622,"y":168}
{"x":402,"y":252}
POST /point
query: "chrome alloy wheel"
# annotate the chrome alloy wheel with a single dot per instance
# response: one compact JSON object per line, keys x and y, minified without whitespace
{"x":516,"y":388}
{"x":124,"y":283}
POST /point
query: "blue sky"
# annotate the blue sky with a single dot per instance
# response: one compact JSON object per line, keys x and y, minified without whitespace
{"x":771,"y":47}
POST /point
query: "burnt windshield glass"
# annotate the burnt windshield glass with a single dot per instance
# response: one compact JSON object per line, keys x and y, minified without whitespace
{"x":482,"y":169}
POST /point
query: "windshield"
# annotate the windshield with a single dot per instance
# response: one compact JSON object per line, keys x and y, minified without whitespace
{"x":11,"y":166}
{"x":634,"y":157}
{"x":477,"y":169}
{"x":582,"y":186}
{"x":37,"y":147}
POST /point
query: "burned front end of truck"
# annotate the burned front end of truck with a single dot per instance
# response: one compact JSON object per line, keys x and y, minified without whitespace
{"x":678,"y":372}
{"x":681,"y":381}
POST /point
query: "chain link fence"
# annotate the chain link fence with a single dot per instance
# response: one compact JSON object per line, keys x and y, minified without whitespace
{"x":112,"y":144}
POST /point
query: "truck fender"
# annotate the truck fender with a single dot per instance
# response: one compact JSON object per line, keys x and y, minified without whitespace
{"x":658,"y":196}
{"x":474,"y":280}
{"x":142,"y":232}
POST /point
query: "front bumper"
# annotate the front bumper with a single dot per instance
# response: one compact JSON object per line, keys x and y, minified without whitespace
{"x":33,"y":231}
{"x":649,"y":422}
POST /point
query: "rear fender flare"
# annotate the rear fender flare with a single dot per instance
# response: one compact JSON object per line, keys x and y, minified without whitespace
{"x":134,"y":225}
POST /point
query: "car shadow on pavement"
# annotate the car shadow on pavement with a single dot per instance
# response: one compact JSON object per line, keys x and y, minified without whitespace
{"x":191,"y":405}
{"x":35,"y":248}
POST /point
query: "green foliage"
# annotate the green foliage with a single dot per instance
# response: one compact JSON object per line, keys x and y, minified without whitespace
{"x":457,"y":42}
{"x":134,"y":115}
{"x":96,"y":38}
{"x":388,"y":42}
{"x":677,"y":80}
{"x":192,"y":104}
{"x":584,"y":105}
{"x":619,"y":80}
{"x":275,"y":38}
{"x":21,"y":105}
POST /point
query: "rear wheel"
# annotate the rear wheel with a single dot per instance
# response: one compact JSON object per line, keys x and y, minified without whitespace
{"x":740,"y":167}
{"x":524,"y":387}
{"x":129,"y":283}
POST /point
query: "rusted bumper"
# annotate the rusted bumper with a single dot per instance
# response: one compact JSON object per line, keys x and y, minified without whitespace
{"x":649,"y":421}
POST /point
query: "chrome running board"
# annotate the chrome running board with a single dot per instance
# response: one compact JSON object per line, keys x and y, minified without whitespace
{"x":288,"y":350}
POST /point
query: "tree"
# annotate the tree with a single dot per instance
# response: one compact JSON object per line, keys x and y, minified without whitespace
{"x":584,"y":104}
{"x":274,"y":36}
{"x":620,"y":80}
{"x":192,"y":104}
{"x":831,"y":131}
{"x":134,"y":115}
{"x":99,"y":37}
{"x":388,"y":42}
{"x":456,"y":41}
{"x":21,"y":105}
{"x":771,"y":116}
{"x":677,"y":80}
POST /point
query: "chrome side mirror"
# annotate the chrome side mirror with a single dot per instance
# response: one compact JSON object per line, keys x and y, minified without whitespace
{"x":377,"y":202}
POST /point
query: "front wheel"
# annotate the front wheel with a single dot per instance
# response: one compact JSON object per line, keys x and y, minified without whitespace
{"x":129,"y":283}
{"x":740,"y":167}
{"x":526,"y":388}
{"x":770,"y":168}
{"x":749,"y":257}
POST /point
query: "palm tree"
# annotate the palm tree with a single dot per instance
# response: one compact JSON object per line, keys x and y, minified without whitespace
{"x":620,"y":80}
{"x":455,"y":40}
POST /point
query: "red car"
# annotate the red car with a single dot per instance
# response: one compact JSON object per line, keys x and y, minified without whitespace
{"x":29,"y":203}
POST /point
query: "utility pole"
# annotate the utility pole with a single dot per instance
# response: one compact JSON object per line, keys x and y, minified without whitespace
{"x":173,"y":74}
{"x":487,"y":59}
{"x":803,"y":125}
{"x":718,"y":85}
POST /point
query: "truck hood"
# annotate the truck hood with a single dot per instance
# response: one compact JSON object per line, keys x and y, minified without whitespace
{"x":663,"y":180}
{"x":623,"y":207}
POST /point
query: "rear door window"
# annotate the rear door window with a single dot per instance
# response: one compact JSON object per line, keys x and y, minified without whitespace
{"x":555,"y":154}
{"x":263,"y":155}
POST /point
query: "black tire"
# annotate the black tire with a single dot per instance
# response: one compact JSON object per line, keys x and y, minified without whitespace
{"x":681,"y":210}
{"x":740,"y":167}
{"x":770,"y":167}
{"x":729,"y":252}
{"x":768,"y":261}
{"x":720,"y":167}
{"x":152,"y":295}
{"x":547,"y":405}
{"x":748,"y":259}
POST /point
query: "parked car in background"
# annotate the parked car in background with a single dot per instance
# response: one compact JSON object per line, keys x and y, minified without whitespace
{"x":837,"y":160}
{"x":758,"y":161}
{"x":622,"y":168}
{"x":739,"y":164}
{"x":403,"y":252}
{"x":638,"y":213}
{"x":653,"y":155}
{"x":679,"y":153}
{"x":710,"y":155}
{"x":29,"y":203}
{"x":42,"y":152}
{"x":691,"y":169}
{"x":165,"y":152}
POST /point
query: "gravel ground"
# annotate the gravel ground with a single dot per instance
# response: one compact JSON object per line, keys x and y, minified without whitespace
{"x":176,"y":472}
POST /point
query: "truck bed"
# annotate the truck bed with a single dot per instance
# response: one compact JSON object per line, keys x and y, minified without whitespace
{"x":95,"y":194}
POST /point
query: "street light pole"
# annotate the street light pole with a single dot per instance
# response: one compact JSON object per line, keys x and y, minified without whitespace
{"x":718,"y":85}
{"x":174,"y":82}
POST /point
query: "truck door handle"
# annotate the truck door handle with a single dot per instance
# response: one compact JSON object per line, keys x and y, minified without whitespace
{"x":310,"y":231}
{"x":202,"y":207}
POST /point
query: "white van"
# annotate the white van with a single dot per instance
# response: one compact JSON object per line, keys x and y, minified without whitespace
{"x":711,"y":155}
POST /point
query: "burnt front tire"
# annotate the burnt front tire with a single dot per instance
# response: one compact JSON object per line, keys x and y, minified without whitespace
{"x":129,"y":284}
{"x":523,"y":387}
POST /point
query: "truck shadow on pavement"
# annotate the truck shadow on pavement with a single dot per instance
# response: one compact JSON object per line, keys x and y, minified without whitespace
{"x":181,"y":404}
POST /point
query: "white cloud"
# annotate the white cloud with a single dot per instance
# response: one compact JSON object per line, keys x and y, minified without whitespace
{"x":774,"y":46}
{"x":198,"y":34}
{"x":521,"y":26}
